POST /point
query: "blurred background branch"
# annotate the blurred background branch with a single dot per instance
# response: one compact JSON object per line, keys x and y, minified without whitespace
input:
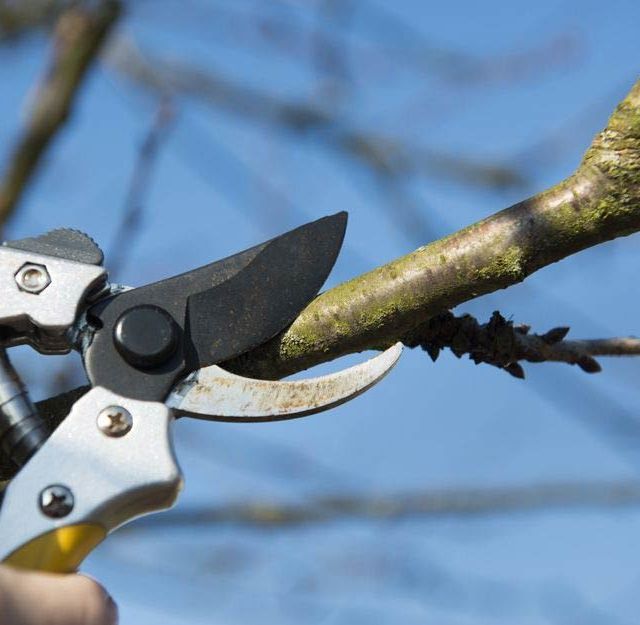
{"x":381,"y":154}
{"x":78,"y":36}
{"x":454,"y":503}
{"x":132,"y":218}
{"x":23,"y":18}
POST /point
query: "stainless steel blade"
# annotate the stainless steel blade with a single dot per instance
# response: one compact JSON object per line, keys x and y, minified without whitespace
{"x":217,"y":395}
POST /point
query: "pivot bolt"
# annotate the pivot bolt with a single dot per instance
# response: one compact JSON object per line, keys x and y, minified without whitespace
{"x":115,"y":421}
{"x":56,"y":501}
{"x":146,"y":336}
{"x":33,"y":278}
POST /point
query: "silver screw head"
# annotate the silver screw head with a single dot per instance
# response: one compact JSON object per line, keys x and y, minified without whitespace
{"x":115,"y":421}
{"x":56,"y":501}
{"x":32,"y":278}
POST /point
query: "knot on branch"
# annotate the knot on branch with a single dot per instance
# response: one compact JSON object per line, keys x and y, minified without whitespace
{"x":499,"y":342}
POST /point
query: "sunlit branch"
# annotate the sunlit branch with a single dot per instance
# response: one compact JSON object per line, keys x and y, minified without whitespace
{"x":599,"y":202}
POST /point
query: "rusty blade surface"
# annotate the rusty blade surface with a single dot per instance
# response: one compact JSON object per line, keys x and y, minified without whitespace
{"x":217,"y":395}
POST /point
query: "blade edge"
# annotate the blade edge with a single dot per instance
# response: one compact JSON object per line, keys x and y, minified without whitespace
{"x":214,"y":394}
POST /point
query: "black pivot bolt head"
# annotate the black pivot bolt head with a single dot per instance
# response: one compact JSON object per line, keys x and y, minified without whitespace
{"x":146,"y":336}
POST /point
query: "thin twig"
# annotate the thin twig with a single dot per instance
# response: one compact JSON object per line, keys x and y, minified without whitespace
{"x":78,"y":36}
{"x":331,"y":53}
{"x":132,"y":213}
{"x":503,"y":344}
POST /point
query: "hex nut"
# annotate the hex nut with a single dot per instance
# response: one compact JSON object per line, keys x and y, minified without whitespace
{"x":32,"y":278}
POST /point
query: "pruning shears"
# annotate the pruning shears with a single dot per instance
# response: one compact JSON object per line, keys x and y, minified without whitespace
{"x":151,"y":354}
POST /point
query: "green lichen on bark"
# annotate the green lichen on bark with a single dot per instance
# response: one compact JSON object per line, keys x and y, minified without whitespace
{"x":599,"y":202}
{"x":615,"y":155}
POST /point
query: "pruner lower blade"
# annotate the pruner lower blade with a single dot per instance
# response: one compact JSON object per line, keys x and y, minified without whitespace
{"x":217,"y":395}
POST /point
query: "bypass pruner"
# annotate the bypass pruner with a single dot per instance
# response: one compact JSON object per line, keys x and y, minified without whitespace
{"x":151,"y":354}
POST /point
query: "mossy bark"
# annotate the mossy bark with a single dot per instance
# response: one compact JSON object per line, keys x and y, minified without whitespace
{"x":599,"y":202}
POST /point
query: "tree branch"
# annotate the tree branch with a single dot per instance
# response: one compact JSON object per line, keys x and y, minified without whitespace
{"x":599,"y":202}
{"x":78,"y":36}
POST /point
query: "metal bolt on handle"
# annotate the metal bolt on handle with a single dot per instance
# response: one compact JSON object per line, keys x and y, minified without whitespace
{"x":115,"y":421}
{"x":33,"y":278}
{"x":56,"y":501}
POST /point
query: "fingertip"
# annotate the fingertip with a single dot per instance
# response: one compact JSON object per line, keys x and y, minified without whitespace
{"x":32,"y":598}
{"x":96,"y":604}
{"x":112,"y":611}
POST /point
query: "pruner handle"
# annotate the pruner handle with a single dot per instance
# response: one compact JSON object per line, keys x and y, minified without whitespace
{"x":111,"y":460}
{"x":61,"y":550}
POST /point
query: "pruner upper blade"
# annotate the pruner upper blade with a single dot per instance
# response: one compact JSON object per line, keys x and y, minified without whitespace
{"x":218,"y":395}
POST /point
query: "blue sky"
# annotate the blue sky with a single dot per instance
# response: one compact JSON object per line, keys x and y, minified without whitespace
{"x":446,"y":425}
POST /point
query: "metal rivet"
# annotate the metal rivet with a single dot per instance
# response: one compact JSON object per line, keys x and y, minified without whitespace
{"x":32,"y":278}
{"x":115,"y":421}
{"x":56,"y":501}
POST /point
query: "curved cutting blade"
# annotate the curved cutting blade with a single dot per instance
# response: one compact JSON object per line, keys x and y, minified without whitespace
{"x":253,"y":305}
{"x":217,"y":395}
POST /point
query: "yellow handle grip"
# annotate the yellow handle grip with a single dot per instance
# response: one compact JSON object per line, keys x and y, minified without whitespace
{"x":60,"y":550}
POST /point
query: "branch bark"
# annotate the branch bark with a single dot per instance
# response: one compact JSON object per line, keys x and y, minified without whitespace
{"x":599,"y":202}
{"x":78,"y":36}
